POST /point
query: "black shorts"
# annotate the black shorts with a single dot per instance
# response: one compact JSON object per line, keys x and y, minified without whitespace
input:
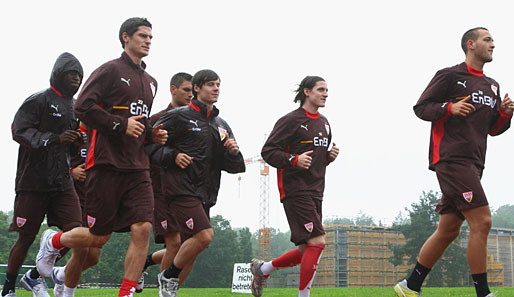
{"x":60,"y":207}
{"x":115,"y":200}
{"x":461,"y":187}
{"x":304,"y":216}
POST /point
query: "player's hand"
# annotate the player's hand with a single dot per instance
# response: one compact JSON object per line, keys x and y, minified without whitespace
{"x":183,"y":160}
{"x":462,"y":108}
{"x":79,"y":173}
{"x":159,"y":135}
{"x":507,"y":106}
{"x":134,"y":128}
{"x":332,"y":154}
{"x":69,"y":136}
{"x":231,"y":145}
{"x":304,"y":160}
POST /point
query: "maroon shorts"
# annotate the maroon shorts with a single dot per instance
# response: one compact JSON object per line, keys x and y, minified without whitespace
{"x":461,"y":187}
{"x":164,"y":218}
{"x":60,"y":207}
{"x":304,"y":218}
{"x":189,"y":215}
{"x":115,"y":200}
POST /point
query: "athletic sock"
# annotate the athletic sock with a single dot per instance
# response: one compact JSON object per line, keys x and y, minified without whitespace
{"x":416,"y":278}
{"x":9,"y":284}
{"x":34,"y":274}
{"x":172,"y":271}
{"x":68,"y":292}
{"x":56,"y":241}
{"x":267,"y":268}
{"x":149,"y":262}
{"x":481,"y":286}
{"x":308,"y":265}
{"x":289,"y":259}
{"x":128,"y":287}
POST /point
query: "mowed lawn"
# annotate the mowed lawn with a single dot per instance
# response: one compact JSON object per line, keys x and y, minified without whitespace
{"x":316,"y":292}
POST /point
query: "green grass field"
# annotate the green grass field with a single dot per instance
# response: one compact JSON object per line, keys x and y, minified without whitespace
{"x":316,"y":292}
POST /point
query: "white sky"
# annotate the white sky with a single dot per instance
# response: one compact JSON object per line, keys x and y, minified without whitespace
{"x":376,"y":56}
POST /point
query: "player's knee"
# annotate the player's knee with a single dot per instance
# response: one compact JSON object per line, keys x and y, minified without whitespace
{"x":482,"y":227}
{"x":69,"y":226}
{"x":206,"y":237}
{"x":97,"y":241}
{"x":141,"y":230}
{"x":25,"y":241}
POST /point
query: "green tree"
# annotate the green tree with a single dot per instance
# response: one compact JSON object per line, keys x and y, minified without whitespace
{"x":364,"y":220}
{"x":503,"y":217}
{"x":451,"y":269}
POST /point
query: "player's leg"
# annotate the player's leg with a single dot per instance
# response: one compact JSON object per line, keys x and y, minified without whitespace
{"x":479,"y":221}
{"x":172,"y":241}
{"x":17,"y":256}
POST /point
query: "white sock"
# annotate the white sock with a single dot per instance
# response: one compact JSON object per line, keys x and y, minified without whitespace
{"x":59,"y":273}
{"x":69,"y":292}
{"x":305,"y":292}
{"x":267,"y":268}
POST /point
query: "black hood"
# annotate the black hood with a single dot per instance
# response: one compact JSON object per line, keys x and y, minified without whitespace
{"x":65,"y":62}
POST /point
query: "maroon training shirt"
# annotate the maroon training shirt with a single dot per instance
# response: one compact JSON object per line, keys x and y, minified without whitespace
{"x":114,"y":92}
{"x":455,"y":137}
{"x":295,"y":133}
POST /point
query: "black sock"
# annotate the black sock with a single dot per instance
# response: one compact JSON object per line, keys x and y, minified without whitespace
{"x":34,"y":274}
{"x":148,"y":262}
{"x":172,"y":272}
{"x":416,"y":278}
{"x":480,"y":282}
{"x":9,"y":284}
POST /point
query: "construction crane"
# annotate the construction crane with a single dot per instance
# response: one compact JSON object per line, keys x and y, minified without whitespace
{"x":264,"y":229}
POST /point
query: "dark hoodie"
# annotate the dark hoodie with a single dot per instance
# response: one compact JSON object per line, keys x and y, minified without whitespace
{"x":43,"y":163}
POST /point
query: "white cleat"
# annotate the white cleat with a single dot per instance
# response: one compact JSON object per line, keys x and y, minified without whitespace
{"x":47,"y":254}
{"x":167,"y":286}
{"x":141,"y":282}
{"x":36,"y":286}
{"x":58,"y":284}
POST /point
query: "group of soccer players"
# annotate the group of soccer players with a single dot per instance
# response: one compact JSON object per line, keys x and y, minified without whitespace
{"x":102,"y":164}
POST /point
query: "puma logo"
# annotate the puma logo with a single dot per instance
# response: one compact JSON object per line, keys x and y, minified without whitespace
{"x":45,"y":142}
{"x":291,"y":158}
{"x":462,"y":83}
{"x":305,"y":127}
{"x":54,"y":107}
{"x":194,"y":122}
{"x":444,"y":104}
{"x":115,"y":125}
{"x":126,"y":81}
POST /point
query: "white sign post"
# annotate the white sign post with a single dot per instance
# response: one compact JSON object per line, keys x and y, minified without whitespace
{"x":242,"y":278}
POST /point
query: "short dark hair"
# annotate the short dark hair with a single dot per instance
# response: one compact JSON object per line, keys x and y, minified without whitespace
{"x":131,"y":25}
{"x":179,"y":78}
{"x":471,"y":34}
{"x":203,"y":76}
{"x":307,"y":83}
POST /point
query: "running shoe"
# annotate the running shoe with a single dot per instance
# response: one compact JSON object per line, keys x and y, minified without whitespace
{"x":47,"y":254}
{"x":37,"y":286}
{"x":259,"y":279}
{"x":402,"y":290}
{"x":167,"y":286}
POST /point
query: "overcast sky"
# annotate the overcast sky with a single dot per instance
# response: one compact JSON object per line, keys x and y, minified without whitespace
{"x":376,"y":56}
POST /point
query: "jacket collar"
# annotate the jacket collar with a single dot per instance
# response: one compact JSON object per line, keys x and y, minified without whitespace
{"x":202,"y":108}
{"x":125,"y":57}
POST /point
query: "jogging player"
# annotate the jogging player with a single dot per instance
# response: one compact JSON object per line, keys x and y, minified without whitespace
{"x":464,"y":105}
{"x":298,"y":148}
{"x":201,"y":144}
{"x":46,"y":129}
{"x":181,"y":94}
{"x":115,"y":105}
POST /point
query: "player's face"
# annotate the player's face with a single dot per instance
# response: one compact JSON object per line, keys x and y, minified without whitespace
{"x":209,"y":92}
{"x":317,"y":96}
{"x":183,"y":94}
{"x":72,"y":81}
{"x":484,"y":46}
{"x":139,"y":43}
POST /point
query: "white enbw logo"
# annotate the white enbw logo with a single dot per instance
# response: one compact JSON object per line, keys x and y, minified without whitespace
{"x":83,"y":153}
{"x":320,"y":141}
{"x":127,"y":81}
{"x":480,"y":98}
{"x":304,"y":127}
{"x":139,"y":108}
{"x":462,"y":83}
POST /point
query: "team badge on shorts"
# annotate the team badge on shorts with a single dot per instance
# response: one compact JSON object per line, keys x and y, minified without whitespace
{"x":468,"y":196}
{"x":164,"y":224}
{"x":190,"y":224}
{"x":309,"y":226}
{"x":91,"y":221}
{"x":20,"y":221}
{"x":223,"y":133}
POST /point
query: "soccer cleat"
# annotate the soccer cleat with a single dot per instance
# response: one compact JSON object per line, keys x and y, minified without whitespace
{"x":141,"y":282}
{"x":402,"y":290}
{"x":490,"y":295}
{"x":10,"y":294}
{"x":58,"y":284}
{"x":47,"y":254}
{"x":259,"y":279}
{"x":37,"y":286}
{"x":167,"y":286}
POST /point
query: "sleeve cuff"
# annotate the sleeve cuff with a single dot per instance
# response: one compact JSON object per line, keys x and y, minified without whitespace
{"x":295,"y":161}
{"x":503,"y":115}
